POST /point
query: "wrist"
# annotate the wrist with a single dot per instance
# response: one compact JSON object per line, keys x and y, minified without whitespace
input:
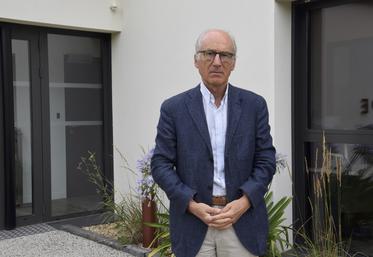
{"x":191,"y":206}
{"x":245,"y":201}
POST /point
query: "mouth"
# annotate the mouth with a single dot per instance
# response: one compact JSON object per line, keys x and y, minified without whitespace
{"x":216,"y":73}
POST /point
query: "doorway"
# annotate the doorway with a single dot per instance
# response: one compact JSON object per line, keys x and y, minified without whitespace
{"x":59,"y":102}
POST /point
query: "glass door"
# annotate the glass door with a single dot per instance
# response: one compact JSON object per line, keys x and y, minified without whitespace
{"x":27,"y":132}
{"x":58,"y":110}
{"x":76,"y":120}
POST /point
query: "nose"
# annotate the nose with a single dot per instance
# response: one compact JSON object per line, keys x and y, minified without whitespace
{"x":216,"y":61}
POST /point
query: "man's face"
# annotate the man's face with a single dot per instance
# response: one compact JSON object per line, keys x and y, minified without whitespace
{"x":215,"y":69}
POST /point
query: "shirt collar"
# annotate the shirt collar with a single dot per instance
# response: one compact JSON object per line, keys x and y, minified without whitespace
{"x":209,"y":98}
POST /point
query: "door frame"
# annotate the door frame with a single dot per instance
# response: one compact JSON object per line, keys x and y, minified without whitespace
{"x":2,"y":133}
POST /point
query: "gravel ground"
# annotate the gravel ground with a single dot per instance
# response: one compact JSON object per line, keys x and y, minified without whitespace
{"x":109,"y":230}
{"x":56,"y":244}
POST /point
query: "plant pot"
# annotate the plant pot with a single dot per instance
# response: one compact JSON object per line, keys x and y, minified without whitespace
{"x":148,"y":216}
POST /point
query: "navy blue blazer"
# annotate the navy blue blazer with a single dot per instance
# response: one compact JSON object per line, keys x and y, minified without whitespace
{"x":183,"y":167}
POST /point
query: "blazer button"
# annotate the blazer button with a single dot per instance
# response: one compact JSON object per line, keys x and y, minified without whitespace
{"x":211,"y":159}
{"x":209,"y":187}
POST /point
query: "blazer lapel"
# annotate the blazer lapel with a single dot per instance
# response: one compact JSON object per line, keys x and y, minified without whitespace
{"x":195,"y":106}
{"x":234,"y":114}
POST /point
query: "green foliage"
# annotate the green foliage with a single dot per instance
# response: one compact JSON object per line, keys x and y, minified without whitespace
{"x":127,"y":213}
{"x":278,"y":237}
{"x":162,"y":241}
{"x":129,"y":220}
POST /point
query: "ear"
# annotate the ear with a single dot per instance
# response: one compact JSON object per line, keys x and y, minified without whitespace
{"x":196,"y":61}
{"x":233,"y":65}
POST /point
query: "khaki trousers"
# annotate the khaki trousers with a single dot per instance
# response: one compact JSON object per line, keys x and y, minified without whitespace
{"x":222,"y":243}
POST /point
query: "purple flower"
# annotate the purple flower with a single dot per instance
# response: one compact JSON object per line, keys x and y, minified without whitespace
{"x":146,"y":186}
{"x":281,"y":161}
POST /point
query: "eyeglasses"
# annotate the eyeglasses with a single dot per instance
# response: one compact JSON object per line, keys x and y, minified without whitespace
{"x":225,"y":57}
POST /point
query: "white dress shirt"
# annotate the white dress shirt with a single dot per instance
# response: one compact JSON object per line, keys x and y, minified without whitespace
{"x":217,"y":124}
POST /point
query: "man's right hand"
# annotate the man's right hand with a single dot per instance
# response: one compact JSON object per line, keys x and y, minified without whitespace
{"x":203,"y":211}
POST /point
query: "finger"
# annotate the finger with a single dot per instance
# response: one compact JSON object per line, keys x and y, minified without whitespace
{"x":220,"y":222}
{"x":226,"y":208}
{"x":221,"y":226}
{"x":225,"y":227}
{"x":214,"y":211}
{"x":223,"y":215}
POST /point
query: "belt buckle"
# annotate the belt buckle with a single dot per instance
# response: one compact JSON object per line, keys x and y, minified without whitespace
{"x":219,"y":200}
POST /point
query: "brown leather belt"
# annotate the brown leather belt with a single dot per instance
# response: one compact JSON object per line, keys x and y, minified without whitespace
{"x":219,"y":200}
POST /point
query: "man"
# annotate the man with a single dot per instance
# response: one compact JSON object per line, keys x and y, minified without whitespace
{"x":214,"y":158}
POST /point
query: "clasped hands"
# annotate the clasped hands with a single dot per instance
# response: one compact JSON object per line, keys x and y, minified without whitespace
{"x":220,"y":218}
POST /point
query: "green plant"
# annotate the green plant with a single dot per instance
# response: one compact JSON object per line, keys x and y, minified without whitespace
{"x":129,"y":220}
{"x":278,"y":237}
{"x":127,"y":213}
{"x":162,"y":240}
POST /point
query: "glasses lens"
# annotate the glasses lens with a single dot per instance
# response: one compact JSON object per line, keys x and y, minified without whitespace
{"x":226,"y":57}
{"x":209,"y":55}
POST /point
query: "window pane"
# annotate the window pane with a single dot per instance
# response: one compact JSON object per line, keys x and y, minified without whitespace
{"x":354,"y":195}
{"x":76,"y":120}
{"x":22,"y":126}
{"x":341,"y":91}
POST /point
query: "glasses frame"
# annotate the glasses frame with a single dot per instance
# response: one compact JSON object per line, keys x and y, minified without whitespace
{"x":226,"y":58}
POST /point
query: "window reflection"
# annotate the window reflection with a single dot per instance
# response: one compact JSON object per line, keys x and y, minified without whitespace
{"x":22,"y":127}
{"x":341,"y":92}
{"x":76,"y":120}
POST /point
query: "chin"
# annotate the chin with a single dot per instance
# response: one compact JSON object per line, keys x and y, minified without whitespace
{"x":218,"y":83}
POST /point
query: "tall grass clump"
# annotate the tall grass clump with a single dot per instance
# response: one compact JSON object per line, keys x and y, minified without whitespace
{"x":325,"y":239}
{"x":127,"y":213}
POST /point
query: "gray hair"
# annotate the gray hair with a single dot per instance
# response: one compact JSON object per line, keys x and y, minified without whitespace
{"x":203,"y":34}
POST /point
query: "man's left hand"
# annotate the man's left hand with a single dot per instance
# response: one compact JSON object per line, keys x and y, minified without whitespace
{"x":231,"y":213}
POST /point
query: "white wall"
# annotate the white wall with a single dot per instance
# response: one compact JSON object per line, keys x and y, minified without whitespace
{"x":282,"y":183}
{"x":94,"y":15}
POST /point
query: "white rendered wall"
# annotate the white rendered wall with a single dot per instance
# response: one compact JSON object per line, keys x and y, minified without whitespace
{"x":93,"y":15}
{"x":282,"y":183}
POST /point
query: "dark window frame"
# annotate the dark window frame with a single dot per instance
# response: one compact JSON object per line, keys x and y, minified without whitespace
{"x":301,"y":133}
{"x":7,"y":192}
{"x":2,"y":167}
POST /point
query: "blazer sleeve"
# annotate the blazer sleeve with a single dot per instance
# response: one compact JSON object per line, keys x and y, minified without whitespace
{"x":163,"y":163}
{"x":264,"y":165}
